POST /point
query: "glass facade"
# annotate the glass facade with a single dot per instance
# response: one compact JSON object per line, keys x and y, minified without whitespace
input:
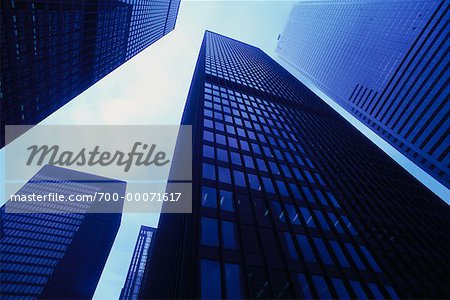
{"x":54,"y":50}
{"x":386,"y":62}
{"x":56,"y":255}
{"x":142,"y":253}
{"x":291,"y":198}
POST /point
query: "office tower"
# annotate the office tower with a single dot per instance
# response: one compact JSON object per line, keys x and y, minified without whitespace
{"x":60,"y":252}
{"x":386,"y":62}
{"x":54,"y":50}
{"x":142,"y":253}
{"x":290,"y":200}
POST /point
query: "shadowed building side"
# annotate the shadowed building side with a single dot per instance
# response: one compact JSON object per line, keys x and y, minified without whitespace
{"x":57,"y":250}
{"x":290,"y":200}
{"x":385,"y":62}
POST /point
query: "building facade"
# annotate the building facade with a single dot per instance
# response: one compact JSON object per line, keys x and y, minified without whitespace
{"x":386,"y":62}
{"x":290,"y":200}
{"x":142,"y":253}
{"x":54,"y":50}
{"x":59,"y":253}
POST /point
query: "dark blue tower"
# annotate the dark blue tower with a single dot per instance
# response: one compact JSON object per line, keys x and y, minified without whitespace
{"x":54,"y":50}
{"x":290,"y":200}
{"x":136,"y":272}
{"x":59,"y":253}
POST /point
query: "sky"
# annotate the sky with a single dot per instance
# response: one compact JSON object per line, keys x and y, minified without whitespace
{"x":151,"y":89}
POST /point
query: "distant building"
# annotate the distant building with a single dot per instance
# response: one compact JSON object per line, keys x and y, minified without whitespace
{"x":386,"y":62}
{"x":141,"y":254}
{"x":290,"y":200}
{"x":54,"y":50}
{"x":59,"y":254}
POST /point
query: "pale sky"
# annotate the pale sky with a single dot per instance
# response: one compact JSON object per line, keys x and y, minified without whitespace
{"x":152,"y":87}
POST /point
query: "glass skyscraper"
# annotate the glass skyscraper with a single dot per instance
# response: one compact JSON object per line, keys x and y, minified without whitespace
{"x":289,"y":199}
{"x":142,"y":253}
{"x":54,"y":50}
{"x":58,"y":254}
{"x":386,"y":62}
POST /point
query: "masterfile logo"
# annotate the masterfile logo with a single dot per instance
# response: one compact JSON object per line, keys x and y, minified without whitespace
{"x":142,"y":156}
{"x":54,"y":156}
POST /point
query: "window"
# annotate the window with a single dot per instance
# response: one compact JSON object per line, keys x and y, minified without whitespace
{"x":229,"y":235}
{"x":261,"y":210}
{"x":207,"y":123}
{"x":224,"y":175}
{"x":254,"y":182}
{"x":355,"y":256}
{"x":310,"y":177}
{"x":336,"y":223}
{"x":333,"y":200}
{"x":375,"y":291}
{"x":321,"y":287}
{"x":210,"y":279}
{"x":308,"y":194}
{"x":280,"y":285}
{"x":370,"y":259}
{"x":208,"y":152}
{"x":349,"y":225}
{"x":322,"y":221}
{"x":222,"y":155}
{"x":307,"y":217}
{"x":340,"y":288}
{"x":323,"y":252}
{"x":290,"y":245}
{"x":321,"y":197}
{"x":236,"y":158}
{"x":256,"y":148}
{"x":244,"y":146}
{"x":292,"y":213}
{"x":339,"y":254}
{"x":391,"y":292}
{"x":248,"y":162}
{"x":209,"y":197}
{"x":243,"y":205}
{"x":226,"y":200}
{"x":304,"y":286}
{"x":219,"y":126}
{"x":278,"y":211}
{"x":230,"y":129}
{"x":239,"y":178}
{"x":220,"y":139}
{"x":233,"y":142}
{"x":268,"y":186}
{"x":286,"y":171}
{"x":298,"y":175}
{"x":282,"y":188}
{"x":210,"y":234}
{"x":274,"y":168}
{"x":306,"y":248}
{"x":261,"y":165}
{"x":295,"y":191}
{"x":208,"y":136}
{"x":233,"y":281}
{"x":209,"y":171}
{"x":258,"y":283}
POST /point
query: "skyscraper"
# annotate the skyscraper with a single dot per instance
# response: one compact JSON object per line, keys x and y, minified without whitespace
{"x":142,"y":253}
{"x":58,"y":254}
{"x":54,"y":50}
{"x":386,"y":62}
{"x":290,"y":200}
